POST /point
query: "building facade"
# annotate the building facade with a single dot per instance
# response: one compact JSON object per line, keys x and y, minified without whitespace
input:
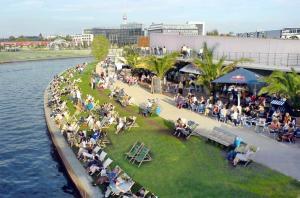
{"x":290,"y":33}
{"x":82,"y":39}
{"x":190,"y":28}
{"x":286,"y":33}
{"x":127,"y":34}
{"x":266,"y":52}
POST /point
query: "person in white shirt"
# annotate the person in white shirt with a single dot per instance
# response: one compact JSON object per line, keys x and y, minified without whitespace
{"x":234,"y":117}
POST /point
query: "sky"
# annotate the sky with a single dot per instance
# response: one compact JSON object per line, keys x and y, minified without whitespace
{"x":51,"y":17}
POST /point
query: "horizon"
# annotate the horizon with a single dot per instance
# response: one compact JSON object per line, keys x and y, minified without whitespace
{"x":69,"y":17}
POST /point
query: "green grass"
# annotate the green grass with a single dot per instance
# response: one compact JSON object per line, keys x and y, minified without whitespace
{"x":192,"y":168}
{"x":41,"y":54}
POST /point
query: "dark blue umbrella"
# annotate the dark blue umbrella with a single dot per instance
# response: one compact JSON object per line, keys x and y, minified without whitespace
{"x":240,"y":76}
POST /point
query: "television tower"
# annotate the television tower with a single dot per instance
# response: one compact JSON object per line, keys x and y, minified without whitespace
{"x":124,"y":18}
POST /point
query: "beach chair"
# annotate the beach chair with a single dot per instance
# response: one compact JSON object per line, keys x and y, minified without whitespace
{"x":102,"y":156}
{"x":107,"y":162}
{"x":130,"y":122}
{"x":192,"y":127}
{"x":134,"y":150}
{"x":142,"y":156}
{"x":96,"y":149}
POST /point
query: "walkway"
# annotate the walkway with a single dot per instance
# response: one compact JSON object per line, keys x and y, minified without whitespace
{"x":282,"y":157}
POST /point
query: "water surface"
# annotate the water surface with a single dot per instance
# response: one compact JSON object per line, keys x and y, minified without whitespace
{"x":29,"y":166}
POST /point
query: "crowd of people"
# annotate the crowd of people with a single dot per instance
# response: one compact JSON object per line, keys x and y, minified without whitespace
{"x":86,"y":134}
{"x":252,"y":111}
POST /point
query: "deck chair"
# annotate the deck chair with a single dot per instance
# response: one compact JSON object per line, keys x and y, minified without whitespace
{"x":142,"y":156}
{"x":102,"y":156}
{"x":96,"y":149}
{"x":134,"y":150}
{"x":107,"y":162}
{"x":130,"y":122}
{"x":192,"y":128}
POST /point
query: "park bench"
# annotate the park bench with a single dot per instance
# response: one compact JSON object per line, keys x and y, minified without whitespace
{"x":217,"y":135}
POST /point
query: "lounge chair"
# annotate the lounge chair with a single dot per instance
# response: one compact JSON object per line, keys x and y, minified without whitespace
{"x":130,"y":122}
{"x":96,"y":149}
{"x":107,"y":162}
{"x":142,"y":156}
{"x":134,"y":150}
{"x":102,"y":156}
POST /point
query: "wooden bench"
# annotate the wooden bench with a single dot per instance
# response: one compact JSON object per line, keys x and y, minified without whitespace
{"x":218,"y":135}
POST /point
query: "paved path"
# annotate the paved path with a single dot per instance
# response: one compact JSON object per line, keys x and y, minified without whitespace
{"x":283,"y":157}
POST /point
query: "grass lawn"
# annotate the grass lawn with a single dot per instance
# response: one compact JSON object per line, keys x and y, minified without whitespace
{"x":181,"y":168}
{"x":41,"y":54}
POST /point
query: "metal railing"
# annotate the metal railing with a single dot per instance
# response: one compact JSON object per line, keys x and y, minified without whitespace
{"x":280,"y":59}
{"x":272,"y":59}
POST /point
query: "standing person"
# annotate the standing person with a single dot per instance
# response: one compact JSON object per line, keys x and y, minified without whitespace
{"x":180,"y":88}
{"x":164,"y":50}
{"x":235,"y":117}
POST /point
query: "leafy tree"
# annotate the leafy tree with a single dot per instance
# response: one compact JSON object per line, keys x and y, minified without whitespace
{"x":132,"y":56}
{"x":213,"y":69}
{"x":160,"y":65}
{"x":285,"y":84}
{"x":100,"y":47}
{"x":12,"y":38}
{"x":213,"y":33}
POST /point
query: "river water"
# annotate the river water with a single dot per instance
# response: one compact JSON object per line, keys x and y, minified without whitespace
{"x":29,"y":165}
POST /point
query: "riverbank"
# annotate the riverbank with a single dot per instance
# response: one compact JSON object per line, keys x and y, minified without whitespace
{"x":36,"y":55}
{"x":74,"y":168}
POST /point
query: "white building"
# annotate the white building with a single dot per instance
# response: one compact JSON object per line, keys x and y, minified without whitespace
{"x":190,"y":28}
{"x":82,"y":39}
{"x":290,"y":33}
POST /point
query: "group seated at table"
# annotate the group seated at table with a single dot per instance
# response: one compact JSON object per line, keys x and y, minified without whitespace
{"x":252,"y":113}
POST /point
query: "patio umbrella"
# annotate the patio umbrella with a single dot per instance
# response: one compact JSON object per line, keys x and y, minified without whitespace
{"x":191,"y":69}
{"x":239,"y":76}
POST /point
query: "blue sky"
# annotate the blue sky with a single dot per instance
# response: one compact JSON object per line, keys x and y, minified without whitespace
{"x":30,"y":17}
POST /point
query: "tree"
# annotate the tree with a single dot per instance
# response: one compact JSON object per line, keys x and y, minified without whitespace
{"x":160,"y":65}
{"x":213,"y":33}
{"x":285,"y":84}
{"x":213,"y":69}
{"x":100,"y":47}
{"x":132,"y":56}
{"x":12,"y":38}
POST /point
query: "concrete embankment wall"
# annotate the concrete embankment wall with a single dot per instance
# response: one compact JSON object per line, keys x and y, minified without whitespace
{"x":75,"y":170}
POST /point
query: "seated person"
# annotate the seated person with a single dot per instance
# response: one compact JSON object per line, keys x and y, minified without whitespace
{"x":140,"y":194}
{"x":96,"y":136}
{"x":275,"y":125}
{"x":130,"y":120}
{"x":94,"y":165}
{"x":287,"y":118}
{"x":249,"y":150}
{"x":107,"y":176}
{"x":288,"y":133}
{"x":180,"y":126}
{"x":121,"y":124}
